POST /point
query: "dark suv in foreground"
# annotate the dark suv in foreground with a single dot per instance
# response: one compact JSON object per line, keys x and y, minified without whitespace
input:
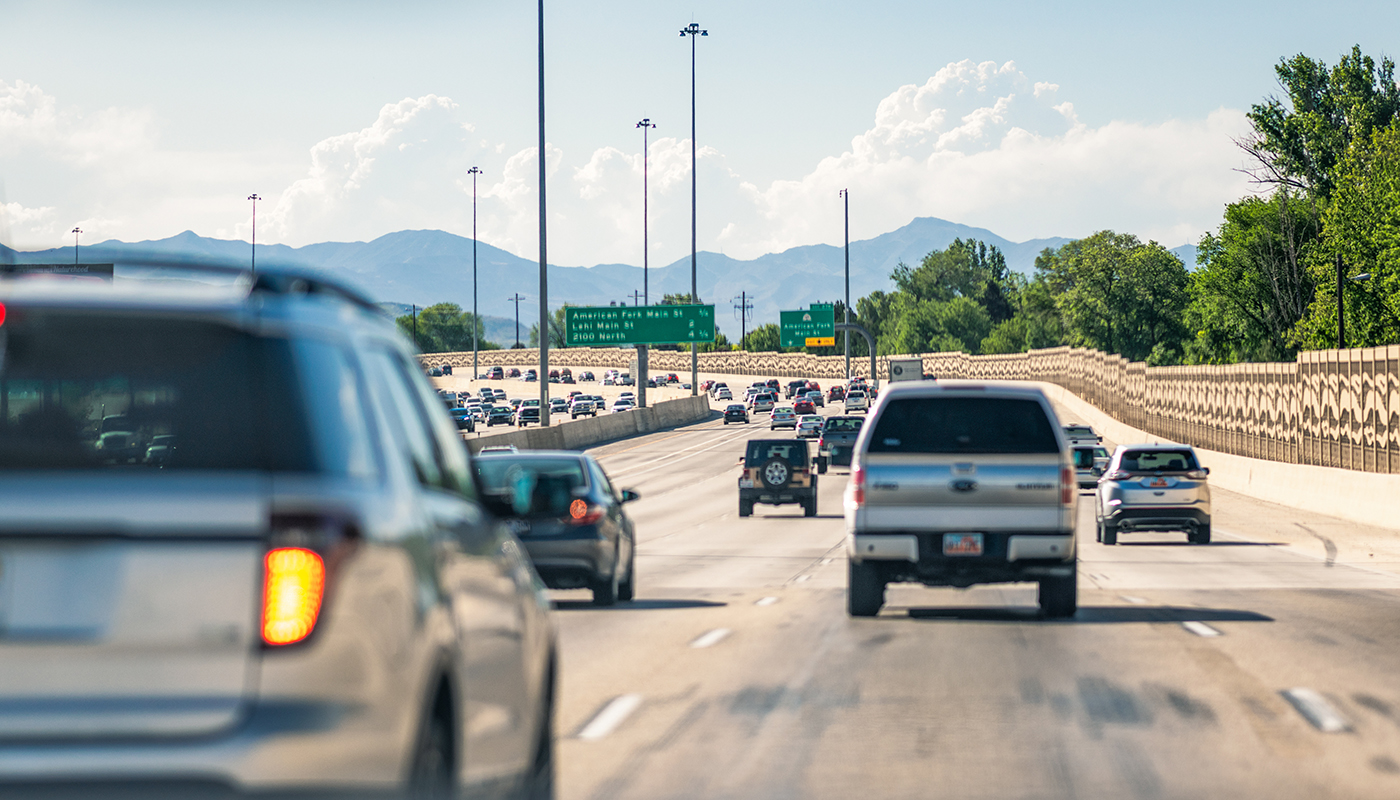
{"x":303,"y":594}
{"x":777,"y":472}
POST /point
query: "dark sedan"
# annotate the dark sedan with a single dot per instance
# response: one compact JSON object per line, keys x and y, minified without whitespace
{"x":463,"y":418}
{"x":500,"y":415}
{"x":569,"y":517}
{"x":736,"y":412}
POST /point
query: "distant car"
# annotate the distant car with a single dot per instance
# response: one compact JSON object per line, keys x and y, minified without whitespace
{"x":499,"y":415}
{"x":815,"y":395}
{"x":554,"y":373}
{"x":763,"y":401}
{"x":626,"y":380}
{"x":1153,"y":487}
{"x":586,"y":376}
{"x":495,"y":374}
{"x":563,"y":508}
{"x":723,"y":394}
{"x":434,"y":372}
{"x":836,"y":393}
{"x":1085,"y":470}
{"x":672,"y":377}
{"x":499,"y":395}
{"x":715,"y":386}
{"x":777,"y":472}
{"x":446,"y":369}
{"x":1082,"y":434}
{"x":623,"y":404}
{"x":838,"y":441}
{"x":782,"y":417}
{"x":810,"y":426}
{"x":608,"y":381}
{"x":500,"y":448}
{"x":566,"y":378}
{"x":513,"y":373}
{"x":582,"y":406}
{"x":651,"y":383}
{"x":803,"y":405}
{"x":159,"y":451}
{"x":772,"y":383}
{"x":464,"y":419}
{"x":794,"y":387}
{"x":856,"y":400}
{"x":527,"y":414}
{"x":736,"y":412}
{"x":529,"y":377}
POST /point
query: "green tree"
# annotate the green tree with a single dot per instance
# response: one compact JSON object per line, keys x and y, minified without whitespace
{"x":1301,"y":144}
{"x":1034,"y":324}
{"x":556,"y":329}
{"x":1253,"y":285}
{"x":1116,"y":294}
{"x":1362,"y":226}
{"x":764,"y":338}
{"x":445,"y":328}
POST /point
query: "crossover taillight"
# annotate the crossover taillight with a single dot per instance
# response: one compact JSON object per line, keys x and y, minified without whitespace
{"x":294,"y":585}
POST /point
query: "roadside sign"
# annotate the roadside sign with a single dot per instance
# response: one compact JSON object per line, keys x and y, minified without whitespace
{"x":814,"y":327}
{"x":602,"y":326}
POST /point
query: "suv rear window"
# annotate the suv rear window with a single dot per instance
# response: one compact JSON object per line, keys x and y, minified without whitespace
{"x":90,"y":390}
{"x":963,"y":425}
{"x":1157,"y":460}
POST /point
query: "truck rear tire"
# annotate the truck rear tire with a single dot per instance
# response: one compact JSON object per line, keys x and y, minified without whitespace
{"x":809,"y":506}
{"x":865,"y":589}
{"x":745,"y":508}
{"x":1059,"y":597}
{"x":1110,"y":533}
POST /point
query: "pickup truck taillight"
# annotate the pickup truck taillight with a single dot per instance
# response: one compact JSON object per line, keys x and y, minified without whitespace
{"x":858,"y":485}
{"x":1069,"y":486}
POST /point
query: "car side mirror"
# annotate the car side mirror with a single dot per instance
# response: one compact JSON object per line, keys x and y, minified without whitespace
{"x":628,"y":495}
{"x":1098,"y":470}
{"x":1206,"y":470}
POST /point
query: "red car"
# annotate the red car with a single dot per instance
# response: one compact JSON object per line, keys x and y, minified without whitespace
{"x":673,"y":378}
{"x":835,"y":393}
{"x":803,"y":406}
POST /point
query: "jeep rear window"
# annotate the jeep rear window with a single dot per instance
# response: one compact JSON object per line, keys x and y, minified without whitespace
{"x":963,"y":425}
{"x":92,"y":390}
{"x":794,"y":452}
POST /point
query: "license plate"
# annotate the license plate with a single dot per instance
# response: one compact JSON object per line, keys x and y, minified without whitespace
{"x":962,"y":544}
{"x":519,"y":527}
{"x":1157,"y":483}
{"x":746,"y":483}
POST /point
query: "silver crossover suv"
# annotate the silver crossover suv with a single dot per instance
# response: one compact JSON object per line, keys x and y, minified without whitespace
{"x":1153,"y":487}
{"x":302,"y":594}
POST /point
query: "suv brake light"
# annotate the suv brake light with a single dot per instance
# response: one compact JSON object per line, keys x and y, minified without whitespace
{"x":1118,"y":475}
{"x":305,"y":553}
{"x":1069,"y":486}
{"x":1196,"y":474}
{"x":858,"y":485}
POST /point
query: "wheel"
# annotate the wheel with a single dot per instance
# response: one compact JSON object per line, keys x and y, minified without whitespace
{"x":726,"y":422}
{"x":809,"y":506}
{"x":1098,"y":529}
{"x":1201,"y":536}
{"x":433,"y":775}
{"x":865,"y":589}
{"x":821,"y":465}
{"x":1110,"y":534}
{"x":775,"y":473}
{"x":627,"y":590}
{"x":745,"y":508}
{"x":605,"y":592}
{"x":1059,"y":597}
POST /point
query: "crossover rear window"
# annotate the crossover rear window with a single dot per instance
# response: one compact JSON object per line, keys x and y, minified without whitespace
{"x":963,"y":425}
{"x":1155,"y":460}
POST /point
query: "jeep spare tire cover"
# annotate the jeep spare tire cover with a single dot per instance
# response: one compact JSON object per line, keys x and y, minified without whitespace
{"x":775,"y":473}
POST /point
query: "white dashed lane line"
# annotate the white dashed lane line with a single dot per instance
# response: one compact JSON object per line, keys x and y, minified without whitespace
{"x":766,"y":601}
{"x":1137,"y":601}
{"x":711,"y":638}
{"x":610,"y":716}
{"x":1200,"y":628}
{"x":1316,"y":710}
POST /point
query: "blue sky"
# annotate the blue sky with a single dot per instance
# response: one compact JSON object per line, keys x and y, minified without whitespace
{"x":142,"y":119}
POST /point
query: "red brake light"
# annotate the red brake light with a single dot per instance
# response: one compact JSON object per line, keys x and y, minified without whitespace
{"x":581,"y":513}
{"x":858,"y":485}
{"x":1069,"y":486}
{"x":2,"y":313}
{"x":293,"y":586}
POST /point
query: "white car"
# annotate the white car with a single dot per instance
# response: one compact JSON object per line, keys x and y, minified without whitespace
{"x":809,"y":426}
{"x":857,"y":401}
{"x":623,"y":404}
{"x":724,"y":394}
{"x":782,"y":417}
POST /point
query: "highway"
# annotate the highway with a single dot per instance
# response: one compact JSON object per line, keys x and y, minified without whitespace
{"x":1189,"y":671}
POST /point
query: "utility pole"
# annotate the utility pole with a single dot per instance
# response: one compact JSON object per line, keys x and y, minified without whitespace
{"x":253,"y":261}
{"x":476,"y":320}
{"x":846,"y":336}
{"x":743,"y":307}
{"x":517,"y":297}
{"x":693,"y":30}
{"x":544,"y":270}
{"x":75,"y":233}
{"x":636,"y":297}
{"x":415,"y":327}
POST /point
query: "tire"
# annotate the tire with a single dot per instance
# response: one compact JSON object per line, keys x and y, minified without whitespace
{"x":606,"y":591}
{"x":745,"y":508}
{"x":1201,"y":536}
{"x":1059,"y":597}
{"x":1098,"y":529}
{"x":821,"y":466}
{"x":627,"y":590}
{"x":775,"y":473}
{"x":539,"y":783}
{"x":433,"y":776}
{"x":809,"y":506}
{"x":1110,"y":534}
{"x":726,"y":422}
{"x":865,"y":589}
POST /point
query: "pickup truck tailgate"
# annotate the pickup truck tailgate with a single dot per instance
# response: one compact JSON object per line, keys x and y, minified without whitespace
{"x":932,"y":492}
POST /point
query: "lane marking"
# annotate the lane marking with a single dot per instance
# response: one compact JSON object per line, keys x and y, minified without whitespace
{"x":711,"y":638}
{"x":766,"y":601}
{"x":825,"y":561}
{"x":650,"y":441}
{"x":1134,"y":600}
{"x":1200,"y":628}
{"x":801,"y":578}
{"x":610,"y":716}
{"x":631,"y":475}
{"x":1316,"y":710}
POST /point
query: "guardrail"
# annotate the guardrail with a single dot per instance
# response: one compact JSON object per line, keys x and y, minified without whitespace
{"x":580,"y":433}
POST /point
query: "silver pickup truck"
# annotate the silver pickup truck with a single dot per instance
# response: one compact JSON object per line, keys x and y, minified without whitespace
{"x":960,"y":483}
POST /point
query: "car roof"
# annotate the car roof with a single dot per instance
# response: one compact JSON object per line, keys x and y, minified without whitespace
{"x":1010,"y":389}
{"x":1154,"y":446}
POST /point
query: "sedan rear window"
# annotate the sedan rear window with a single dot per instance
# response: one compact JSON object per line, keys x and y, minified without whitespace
{"x":963,"y":425}
{"x":531,"y":485}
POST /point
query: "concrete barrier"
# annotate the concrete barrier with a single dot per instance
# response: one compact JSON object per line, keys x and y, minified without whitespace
{"x":581,"y":433}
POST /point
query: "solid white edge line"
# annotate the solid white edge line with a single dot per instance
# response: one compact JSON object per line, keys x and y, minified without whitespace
{"x":1137,"y":601}
{"x":710,"y":638}
{"x":610,"y":716}
{"x":1200,"y":628}
{"x":766,"y":601}
{"x":1316,"y":710}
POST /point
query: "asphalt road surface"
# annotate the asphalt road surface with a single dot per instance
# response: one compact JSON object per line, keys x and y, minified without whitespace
{"x":1258,"y":666}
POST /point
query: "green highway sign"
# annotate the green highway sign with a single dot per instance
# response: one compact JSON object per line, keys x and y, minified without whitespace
{"x":815,"y":327}
{"x":621,"y":325}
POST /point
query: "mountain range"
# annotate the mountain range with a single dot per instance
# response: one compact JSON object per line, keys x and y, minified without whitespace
{"x":429,"y":266}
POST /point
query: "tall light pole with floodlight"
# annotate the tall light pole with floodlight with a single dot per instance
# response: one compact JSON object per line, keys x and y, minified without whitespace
{"x":476,"y":320}
{"x":646,"y":125}
{"x":544,"y":270}
{"x":254,"y":260}
{"x":693,"y":30}
{"x":846,"y":335}
{"x":75,"y":233}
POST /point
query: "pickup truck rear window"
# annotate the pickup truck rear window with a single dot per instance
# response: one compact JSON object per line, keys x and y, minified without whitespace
{"x":963,"y":425}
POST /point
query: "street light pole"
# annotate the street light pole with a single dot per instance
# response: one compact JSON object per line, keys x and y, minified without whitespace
{"x":75,"y":233}
{"x":645,"y":125}
{"x":476,"y":320}
{"x":254,"y":259}
{"x":846,"y":337}
{"x":544,"y":270}
{"x":693,"y":30}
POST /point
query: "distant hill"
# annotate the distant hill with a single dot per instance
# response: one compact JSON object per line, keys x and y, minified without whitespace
{"x":427,"y":267}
